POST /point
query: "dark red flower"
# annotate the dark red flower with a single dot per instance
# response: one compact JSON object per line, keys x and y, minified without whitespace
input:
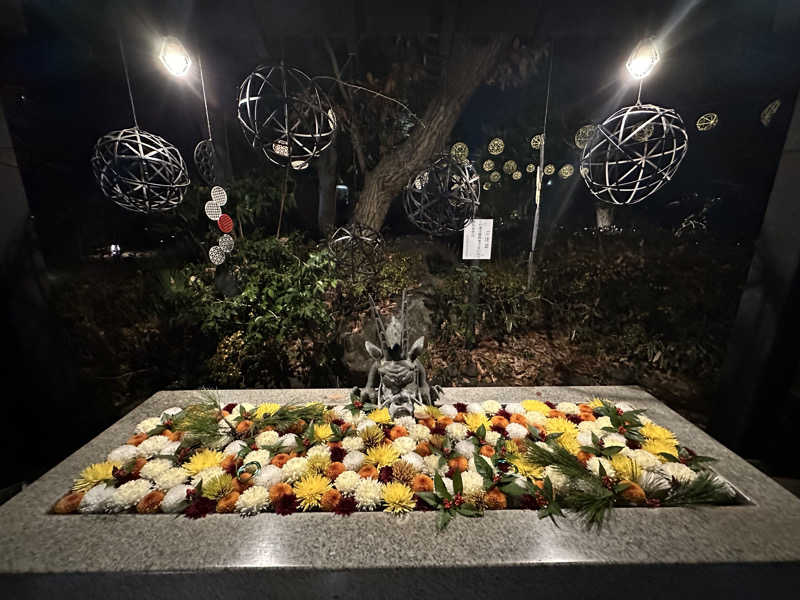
{"x":385,"y":475}
{"x":438,"y":430}
{"x":200,"y":508}
{"x":337,"y":422}
{"x":421,"y":504}
{"x":450,"y":472}
{"x":653,"y":502}
{"x":549,"y":404}
{"x":286,"y":505}
{"x":345,"y":506}
{"x":501,"y":430}
{"x":529,"y":502}
{"x":633,"y":444}
{"x":123,"y":475}
{"x":229,"y":407}
{"x":337,"y":454}
{"x":574,"y":419}
{"x":619,"y":412}
{"x":460,"y":407}
{"x":504,"y":413}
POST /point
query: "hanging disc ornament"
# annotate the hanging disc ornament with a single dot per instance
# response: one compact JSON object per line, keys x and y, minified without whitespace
{"x":447,"y":200}
{"x":769,"y":112}
{"x":140,"y":171}
{"x":516,"y":175}
{"x":285,"y":115}
{"x":225,"y":242}
{"x":509,"y":167}
{"x":358,"y":251}
{"x":225,"y":223}
{"x":549,"y":169}
{"x":496,"y":146}
{"x":621,"y":166}
{"x":460,"y":151}
{"x":212,"y":210}
{"x":583,"y":135}
{"x":566,"y":171}
{"x":487,"y":186}
{"x":494,"y":176}
{"x":216,"y":255}
{"x":707,"y":121}
{"x":205,"y":161}
{"x":488,"y":165}
{"x":219,"y":195}
{"x":530,"y":168}
{"x":537,"y":141}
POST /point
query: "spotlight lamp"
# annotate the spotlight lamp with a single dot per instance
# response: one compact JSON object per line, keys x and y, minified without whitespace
{"x":174,"y":57}
{"x":643,"y":59}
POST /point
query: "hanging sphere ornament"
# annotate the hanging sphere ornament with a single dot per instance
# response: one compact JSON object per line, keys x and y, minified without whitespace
{"x":284,"y":114}
{"x":212,"y":210}
{"x":707,"y":121}
{"x":225,"y":223}
{"x":140,"y":171}
{"x":460,"y":151}
{"x":549,"y":169}
{"x":537,"y":141}
{"x":509,"y":167}
{"x":225,"y":242}
{"x":566,"y":171}
{"x":496,"y":146}
{"x":769,"y":112}
{"x":447,"y":200}
{"x":530,"y":168}
{"x":205,"y":161}
{"x":584,"y":134}
{"x":219,"y":196}
{"x":216,"y":255}
{"x":494,"y":176}
{"x":620,"y":166}
{"x":516,"y":175}
{"x":488,"y":165}
{"x":358,"y":251}
{"x":487,"y":186}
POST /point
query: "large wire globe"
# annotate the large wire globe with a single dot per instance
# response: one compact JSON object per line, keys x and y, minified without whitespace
{"x":285,"y":115}
{"x":357,"y":251}
{"x":443,"y":199}
{"x":140,"y":171}
{"x":633,"y":153}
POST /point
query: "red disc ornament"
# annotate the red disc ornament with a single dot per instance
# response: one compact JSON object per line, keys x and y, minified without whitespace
{"x":225,"y":224}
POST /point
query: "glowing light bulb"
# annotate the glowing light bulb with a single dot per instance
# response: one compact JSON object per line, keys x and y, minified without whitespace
{"x":643,"y":59}
{"x":174,"y":57}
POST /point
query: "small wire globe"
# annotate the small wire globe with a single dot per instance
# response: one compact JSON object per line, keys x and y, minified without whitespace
{"x":357,"y":251}
{"x":139,"y":171}
{"x":633,"y":153}
{"x":443,"y":199}
{"x":205,"y":161}
{"x":285,"y":115}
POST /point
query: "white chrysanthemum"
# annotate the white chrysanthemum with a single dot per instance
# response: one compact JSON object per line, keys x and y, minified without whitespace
{"x":652,"y":482}
{"x":433,"y":464}
{"x":473,"y":482}
{"x":352,"y":461}
{"x":475,"y":407}
{"x":170,"y":448}
{"x":603,"y":422}
{"x":364,"y":423}
{"x":353,"y":443}
{"x":294,"y":469}
{"x":148,"y":425}
{"x":419,"y":432}
{"x":319,"y":450}
{"x":253,"y":500}
{"x":678,"y":471}
{"x":234,"y":447}
{"x":585,"y":438}
{"x":207,"y":475}
{"x":220,"y":442}
{"x":515,"y":408}
{"x":516,"y":431}
{"x":422,"y":411}
{"x":96,"y":500}
{"x":346,"y":482}
{"x":123,"y":454}
{"x":593,"y":464}
{"x":590,"y":426}
{"x":614,"y":439}
{"x":415,"y":460}
{"x":465,"y":448}
{"x":154,"y":468}
{"x":268,"y":476}
{"x":491,"y":437}
{"x":368,"y":493}
{"x":128,"y":494}
{"x":405,"y":421}
{"x":170,"y":412}
{"x":170,"y":478}
{"x":267,"y":438}
{"x":535,"y":418}
{"x":288,"y":441}
{"x":491,"y":406}
{"x":404,"y":445}
{"x":260,"y":456}
{"x":175,"y":499}
{"x":339,"y":411}
{"x":152,"y":445}
{"x":456,"y":431}
{"x":448,"y":484}
{"x":353,"y":419}
{"x":227,"y":424}
{"x":568,"y":408}
{"x":448,"y":410}
{"x":557,"y":478}
{"x":645,"y":459}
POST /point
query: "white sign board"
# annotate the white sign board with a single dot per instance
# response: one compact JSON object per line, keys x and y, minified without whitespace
{"x":478,"y":240}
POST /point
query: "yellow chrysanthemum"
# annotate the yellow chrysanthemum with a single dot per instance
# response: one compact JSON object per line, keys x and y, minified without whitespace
{"x":569,"y":433}
{"x":511,"y":448}
{"x":535,"y":406}
{"x":658,"y":446}
{"x":205,"y":459}
{"x":656,"y":432}
{"x":569,"y":441}
{"x":381,"y":416}
{"x":309,"y":490}
{"x":398,"y":498}
{"x":319,"y":462}
{"x":322,"y":433}
{"x":382,"y":456}
{"x":625,"y":467}
{"x":94,"y":474}
{"x":473,"y":421}
{"x":267,"y":409}
{"x":526,"y":469}
{"x":218,"y":487}
{"x":597,"y":402}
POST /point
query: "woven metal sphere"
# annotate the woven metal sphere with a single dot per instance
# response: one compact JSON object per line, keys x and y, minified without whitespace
{"x":443,"y":199}
{"x":496,"y":146}
{"x":509,"y":167}
{"x":460,"y":151}
{"x":530,"y":168}
{"x":537,"y":141}
{"x":205,"y":161}
{"x":622,"y":165}
{"x":358,"y":252}
{"x":216,"y":255}
{"x":549,"y":169}
{"x":566,"y":171}
{"x":488,"y":165}
{"x":285,"y":115}
{"x":583,"y":135}
{"x":707,"y":121}
{"x":140,"y":171}
{"x":516,"y":175}
{"x":494,"y":176}
{"x":225,"y":242}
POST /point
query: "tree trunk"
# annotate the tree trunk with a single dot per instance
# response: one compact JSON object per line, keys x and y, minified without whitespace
{"x":467,"y":67}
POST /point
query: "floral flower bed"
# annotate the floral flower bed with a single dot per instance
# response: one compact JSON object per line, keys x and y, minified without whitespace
{"x":456,"y":459}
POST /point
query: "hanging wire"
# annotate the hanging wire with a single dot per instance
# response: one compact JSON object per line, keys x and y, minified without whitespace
{"x":639,"y":95}
{"x":127,"y":78}
{"x":203,"y":87}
